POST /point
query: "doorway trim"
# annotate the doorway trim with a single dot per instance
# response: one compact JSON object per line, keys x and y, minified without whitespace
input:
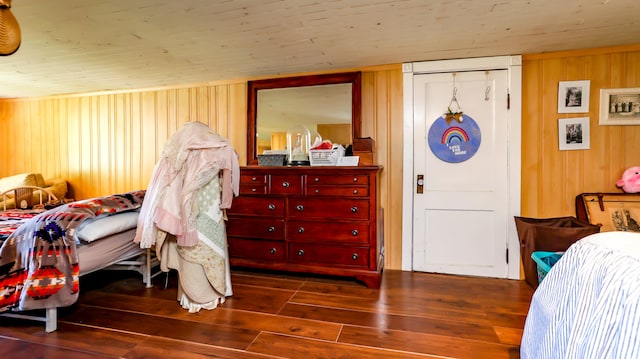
{"x":513,"y":65}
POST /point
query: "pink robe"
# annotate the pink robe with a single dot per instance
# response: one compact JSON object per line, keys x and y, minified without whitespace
{"x":190,"y":160}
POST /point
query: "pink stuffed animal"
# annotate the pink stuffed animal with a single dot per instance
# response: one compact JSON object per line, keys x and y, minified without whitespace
{"x":630,"y":181}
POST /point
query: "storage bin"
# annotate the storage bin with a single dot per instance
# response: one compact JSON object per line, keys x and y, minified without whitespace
{"x":272,"y":160}
{"x":326,"y":157}
{"x":544,"y":261}
{"x":547,"y":234}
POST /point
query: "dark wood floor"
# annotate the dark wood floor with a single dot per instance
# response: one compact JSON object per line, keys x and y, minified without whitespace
{"x":413,"y":315}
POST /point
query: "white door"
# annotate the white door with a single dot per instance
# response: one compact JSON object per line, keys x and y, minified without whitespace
{"x":460,"y":218}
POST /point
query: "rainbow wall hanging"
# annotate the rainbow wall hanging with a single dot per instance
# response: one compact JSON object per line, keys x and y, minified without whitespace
{"x":454,"y":141}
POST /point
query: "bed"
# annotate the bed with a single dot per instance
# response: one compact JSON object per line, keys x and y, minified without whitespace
{"x":45,"y":250}
{"x":588,"y":305}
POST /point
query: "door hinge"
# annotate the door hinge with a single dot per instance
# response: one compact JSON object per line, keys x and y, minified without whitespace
{"x":507,"y":258}
{"x":508,"y":101}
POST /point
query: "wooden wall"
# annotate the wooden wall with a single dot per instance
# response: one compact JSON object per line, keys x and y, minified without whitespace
{"x":110,"y":142}
{"x":552,"y":178}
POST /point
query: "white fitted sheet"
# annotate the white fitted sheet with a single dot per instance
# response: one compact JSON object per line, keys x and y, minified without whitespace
{"x":107,"y":251}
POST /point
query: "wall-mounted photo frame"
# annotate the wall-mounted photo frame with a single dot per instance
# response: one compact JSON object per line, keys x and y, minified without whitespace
{"x":620,"y":106}
{"x":573,"y":96}
{"x":574,"y":133}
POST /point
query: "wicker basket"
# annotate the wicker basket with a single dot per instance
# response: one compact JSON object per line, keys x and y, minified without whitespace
{"x":272,"y":160}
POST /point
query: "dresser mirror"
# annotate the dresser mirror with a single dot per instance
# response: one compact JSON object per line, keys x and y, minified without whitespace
{"x":329,"y":105}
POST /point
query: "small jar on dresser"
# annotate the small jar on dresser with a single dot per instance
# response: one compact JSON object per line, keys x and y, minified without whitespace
{"x":320,"y":220}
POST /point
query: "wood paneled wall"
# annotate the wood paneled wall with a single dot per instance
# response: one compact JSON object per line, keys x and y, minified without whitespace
{"x":552,"y":178}
{"x":110,"y":142}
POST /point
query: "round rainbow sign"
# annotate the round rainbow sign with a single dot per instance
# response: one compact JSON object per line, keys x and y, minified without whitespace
{"x":455,"y":141}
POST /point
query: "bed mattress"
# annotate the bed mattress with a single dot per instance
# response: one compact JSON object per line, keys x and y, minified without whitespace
{"x":107,"y":251}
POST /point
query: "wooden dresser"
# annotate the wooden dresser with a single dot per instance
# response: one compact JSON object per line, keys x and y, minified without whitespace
{"x":321,"y":220}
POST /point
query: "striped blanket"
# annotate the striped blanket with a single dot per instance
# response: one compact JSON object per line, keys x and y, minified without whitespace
{"x":588,"y":305}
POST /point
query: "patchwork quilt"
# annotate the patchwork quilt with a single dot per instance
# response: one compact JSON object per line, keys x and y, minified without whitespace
{"x":39,"y":265}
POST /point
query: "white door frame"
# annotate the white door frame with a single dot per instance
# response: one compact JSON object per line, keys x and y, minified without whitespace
{"x":513,"y":65}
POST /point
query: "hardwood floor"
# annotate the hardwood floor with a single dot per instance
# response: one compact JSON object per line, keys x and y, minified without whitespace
{"x":413,"y":315}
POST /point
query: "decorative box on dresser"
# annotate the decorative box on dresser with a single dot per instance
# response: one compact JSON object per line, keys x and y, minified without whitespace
{"x":321,"y":220}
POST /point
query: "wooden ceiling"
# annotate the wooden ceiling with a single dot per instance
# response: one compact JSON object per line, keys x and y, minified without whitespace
{"x":80,"y":46}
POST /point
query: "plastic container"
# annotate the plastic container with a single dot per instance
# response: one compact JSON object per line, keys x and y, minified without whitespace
{"x":326,"y":157}
{"x":544,"y":261}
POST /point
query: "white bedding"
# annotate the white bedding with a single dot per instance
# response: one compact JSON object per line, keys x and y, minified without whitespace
{"x":588,"y":305}
{"x":107,"y":226}
{"x":107,"y":251}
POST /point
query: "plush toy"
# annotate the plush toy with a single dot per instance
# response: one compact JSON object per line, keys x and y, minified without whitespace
{"x":630,"y":181}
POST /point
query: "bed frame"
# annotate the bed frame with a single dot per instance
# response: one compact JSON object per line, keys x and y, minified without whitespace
{"x":23,"y":196}
{"x":141,"y":263}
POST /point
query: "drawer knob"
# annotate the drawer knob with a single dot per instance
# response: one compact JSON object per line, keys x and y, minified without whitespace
{"x":317,"y":179}
{"x":300,"y":208}
{"x":254,"y":190}
{"x":301,"y":230}
{"x":355,"y":191}
{"x":354,"y":256}
{"x":285,"y":184}
{"x":354,"y":232}
{"x":355,"y":179}
{"x":272,"y":251}
{"x":300,"y":252}
{"x":272,"y":206}
{"x":317,"y":191}
{"x":354,"y":209}
{"x":271,"y":229}
{"x":254,"y":178}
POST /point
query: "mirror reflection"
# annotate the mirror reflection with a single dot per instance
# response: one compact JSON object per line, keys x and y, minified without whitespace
{"x":325,"y":110}
{"x":328,"y":105}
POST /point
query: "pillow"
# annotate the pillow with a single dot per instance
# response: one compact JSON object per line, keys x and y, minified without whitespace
{"x":19,"y":180}
{"x":106,"y":226}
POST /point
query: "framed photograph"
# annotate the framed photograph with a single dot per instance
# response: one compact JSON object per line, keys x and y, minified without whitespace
{"x":573,"y":133}
{"x":573,"y":96}
{"x":620,"y":106}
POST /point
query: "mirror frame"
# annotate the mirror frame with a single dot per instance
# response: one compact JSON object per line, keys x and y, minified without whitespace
{"x":298,"y":81}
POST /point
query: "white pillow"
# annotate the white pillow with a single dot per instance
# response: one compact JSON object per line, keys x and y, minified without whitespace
{"x":106,"y":226}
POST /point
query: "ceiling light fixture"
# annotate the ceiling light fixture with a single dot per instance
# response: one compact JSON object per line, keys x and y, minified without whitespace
{"x":10,"y":36}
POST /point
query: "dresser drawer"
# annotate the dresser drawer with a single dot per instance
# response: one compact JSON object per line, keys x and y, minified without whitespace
{"x":253,"y":189}
{"x":255,"y":249}
{"x":286,"y":184}
{"x":341,"y":191}
{"x":346,"y":232}
{"x":253,"y":227}
{"x":301,"y":253}
{"x":337,"y":180}
{"x":254,"y":184}
{"x":338,"y":208}
{"x":258,"y":206}
{"x":253,"y":179}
